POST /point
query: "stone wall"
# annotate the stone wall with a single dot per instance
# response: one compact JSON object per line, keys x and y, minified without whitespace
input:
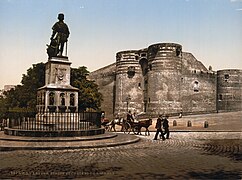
{"x":128,"y":91}
{"x":164,"y":62}
{"x":229,"y":89}
{"x":197,"y":86}
{"x":198,"y":92}
{"x":105,"y":78}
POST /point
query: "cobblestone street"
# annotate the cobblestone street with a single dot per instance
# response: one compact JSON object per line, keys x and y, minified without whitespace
{"x":186,"y":155}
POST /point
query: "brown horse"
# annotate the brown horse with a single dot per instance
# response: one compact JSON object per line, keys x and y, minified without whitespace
{"x":145,"y":124}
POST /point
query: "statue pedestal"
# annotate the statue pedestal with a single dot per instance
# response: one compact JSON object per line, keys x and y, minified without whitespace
{"x":57,"y":95}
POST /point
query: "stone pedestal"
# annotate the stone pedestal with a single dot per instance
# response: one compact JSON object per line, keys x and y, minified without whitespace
{"x":57,"y":95}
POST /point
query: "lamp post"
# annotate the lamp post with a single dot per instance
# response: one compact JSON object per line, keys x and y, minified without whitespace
{"x":128,"y":98}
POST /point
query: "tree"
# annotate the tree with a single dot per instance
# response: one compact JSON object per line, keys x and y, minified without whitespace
{"x":23,"y":97}
{"x":88,"y":97}
{"x":3,"y":108}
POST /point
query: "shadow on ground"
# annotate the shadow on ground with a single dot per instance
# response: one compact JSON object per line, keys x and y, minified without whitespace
{"x":215,"y":174}
{"x":231,"y":148}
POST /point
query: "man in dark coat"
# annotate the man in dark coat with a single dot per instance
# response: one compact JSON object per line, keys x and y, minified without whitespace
{"x":60,"y":33}
{"x":130,"y":118}
{"x":158,"y":128}
{"x":166,"y":126}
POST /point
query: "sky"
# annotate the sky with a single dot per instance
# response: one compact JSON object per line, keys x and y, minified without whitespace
{"x":209,"y":29}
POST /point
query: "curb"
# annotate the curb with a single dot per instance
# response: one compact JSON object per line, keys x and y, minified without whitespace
{"x":124,"y":140}
{"x":60,"y":139}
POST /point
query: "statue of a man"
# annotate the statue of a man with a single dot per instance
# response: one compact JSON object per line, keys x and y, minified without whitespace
{"x":59,"y":37}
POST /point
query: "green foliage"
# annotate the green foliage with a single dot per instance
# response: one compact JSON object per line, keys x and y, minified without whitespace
{"x":89,"y":97}
{"x":3,"y":108}
{"x":23,"y":97}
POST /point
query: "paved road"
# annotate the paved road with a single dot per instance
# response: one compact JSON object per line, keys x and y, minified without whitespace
{"x":186,"y":155}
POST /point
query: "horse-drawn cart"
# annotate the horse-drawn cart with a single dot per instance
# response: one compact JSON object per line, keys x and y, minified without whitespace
{"x":136,"y":125}
{"x":129,"y":126}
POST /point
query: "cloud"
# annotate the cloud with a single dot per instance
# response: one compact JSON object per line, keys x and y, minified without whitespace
{"x":239,"y":9}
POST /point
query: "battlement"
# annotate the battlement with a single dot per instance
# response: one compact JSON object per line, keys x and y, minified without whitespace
{"x":164,"y":51}
{"x":130,"y":55}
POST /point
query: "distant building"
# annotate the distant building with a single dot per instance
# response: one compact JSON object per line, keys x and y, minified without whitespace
{"x":163,"y":79}
{"x":6,"y":88}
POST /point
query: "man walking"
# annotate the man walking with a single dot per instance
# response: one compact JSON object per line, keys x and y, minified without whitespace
{"x":166,"y":126}
{"x":158,"y":128}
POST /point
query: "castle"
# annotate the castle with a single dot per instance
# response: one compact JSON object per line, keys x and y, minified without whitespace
{"x":164,"y":79}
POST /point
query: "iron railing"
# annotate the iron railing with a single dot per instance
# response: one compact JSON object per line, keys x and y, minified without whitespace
{"x":54,"y":121}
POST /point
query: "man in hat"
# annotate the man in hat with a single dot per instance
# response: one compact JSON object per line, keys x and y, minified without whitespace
{"x":166,"y":126}
{"x":60,"y":33}
{"x":159,"y":128}
{"x":130,"y":118}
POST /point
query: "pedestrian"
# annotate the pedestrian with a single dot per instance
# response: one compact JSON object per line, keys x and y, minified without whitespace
{"x":158,"y":128}
{"x":166,"y":126}
{"x":130,"y":118}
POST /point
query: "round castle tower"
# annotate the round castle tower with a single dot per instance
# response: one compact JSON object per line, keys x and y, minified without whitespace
{"x":128,"y":90}
{"x":164,"y":74}
{"x":229,"y":89}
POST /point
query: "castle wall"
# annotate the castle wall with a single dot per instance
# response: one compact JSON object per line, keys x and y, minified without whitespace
{"x":197,"y":87}
{"x":163,"y":79}
{"x":229,"y":89}
{"x":198,"y":92}
{"x":191,"y":64}
{"x":128,"y":91}
{"x":105,"y":79}
{"x":164,"y":62}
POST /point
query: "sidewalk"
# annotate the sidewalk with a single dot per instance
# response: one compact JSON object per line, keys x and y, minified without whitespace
{"x":217,"y":122}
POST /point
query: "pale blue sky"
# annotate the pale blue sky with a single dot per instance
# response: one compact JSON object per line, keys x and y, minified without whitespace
{"x":210,"y":29}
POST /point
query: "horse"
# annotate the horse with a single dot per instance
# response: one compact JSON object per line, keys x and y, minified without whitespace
{"x":145,"y":124}
{"x":117,"y":121}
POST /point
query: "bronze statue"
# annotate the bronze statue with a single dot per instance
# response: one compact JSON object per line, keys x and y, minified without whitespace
{"x":58,"y":38}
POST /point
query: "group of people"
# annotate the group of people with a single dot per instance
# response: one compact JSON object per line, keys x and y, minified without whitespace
{"x":162,"y":123}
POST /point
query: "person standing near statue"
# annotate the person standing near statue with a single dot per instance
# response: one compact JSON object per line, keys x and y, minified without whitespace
{"x":60,"y":34}
{"x":159,"y":128}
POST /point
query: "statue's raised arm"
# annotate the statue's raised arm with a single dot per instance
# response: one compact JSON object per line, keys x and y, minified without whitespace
{"x":58,"y":38}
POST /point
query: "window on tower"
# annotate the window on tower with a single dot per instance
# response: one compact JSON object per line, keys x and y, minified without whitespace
{"x":196,"y":86}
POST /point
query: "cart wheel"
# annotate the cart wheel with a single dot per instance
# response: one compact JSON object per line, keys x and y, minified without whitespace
{"x":127,"y":128}
{"x":136,"y":130}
